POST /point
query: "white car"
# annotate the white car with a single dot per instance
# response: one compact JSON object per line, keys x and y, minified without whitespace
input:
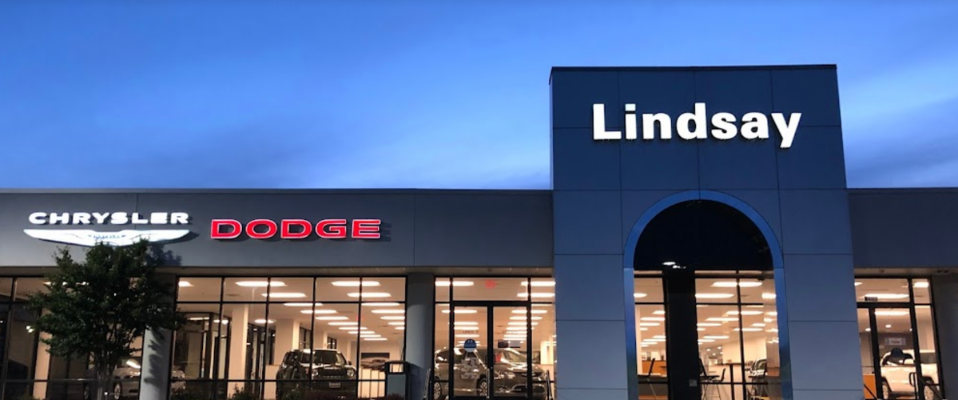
{"x":898,"y":374}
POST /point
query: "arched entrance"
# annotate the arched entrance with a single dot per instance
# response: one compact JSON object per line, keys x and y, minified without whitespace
{"x":705,"y":315}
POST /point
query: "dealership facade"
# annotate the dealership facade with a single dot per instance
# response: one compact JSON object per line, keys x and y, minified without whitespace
{"x":699,"y":241}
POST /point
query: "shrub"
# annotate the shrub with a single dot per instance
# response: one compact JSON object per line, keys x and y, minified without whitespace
{"x":243,"y":394}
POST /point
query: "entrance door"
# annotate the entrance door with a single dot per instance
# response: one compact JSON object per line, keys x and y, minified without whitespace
{"x":490,"y":354}
{"x":890,"y":367}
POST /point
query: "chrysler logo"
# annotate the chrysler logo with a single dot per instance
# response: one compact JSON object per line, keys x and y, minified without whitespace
{"x":89,"y":237}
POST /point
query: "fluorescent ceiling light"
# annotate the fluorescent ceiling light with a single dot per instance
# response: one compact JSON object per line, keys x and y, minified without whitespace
{"x":538,"y":295}
{"x":542,"y":305}
{"x":746,"y":312}
{"x":400,"y":328}
{"x":332,"y":318}
{"x":772,"y":313}
{"x":706,"y":340}
{"x":540,"y":283}
{"x":721,"y":319}
{"x":370,"y":295}
{"x":467,"y":336}
{"x":713,"y":295}
{"x":461,"y":311}
{"x":659,"y":312}
{"x":260,"y":321}
{"x":388,"y":311}
{"x":533,"y":311}
{"x":323,"y":311}
{"x":355,"y":283}
{"x":394,"y":318}
{"x":260,"y":283}
{"x":776,"y":330}
{"x":380,"y":304}
{"x":888,"y":326}
{"x":639,"y":295}
{"x":649,"y":324}
{"x":758,"y":324}
{"x":700,"y":329}
{"x":890,"y":313}
{"x":522,"y":323}
{"x":379,"y":339}
{"x":768,"y":320}
{"x":352,"y":328}
{"x":768,"y":296}
{"x":709,"y":324}
{"x":858,"y":283}
{"x":397,"y":323}
{"x":524,"y":318}
{"x":886,"y":296}
{"x":343,"y":323}
{"x":474,"y":323}
{"x":748,"y":329}
{"x":658,"y":337}
{"x":445,"y":283}
{"x":188,"y":284}
{"x":717,"y":337}
{"x":302,"y":304}
{"x":726,"y":284}
{"x":284,"y":295}
{"x":643,"y":329}
{"x":652,"y":319}
{"x":921,"y":284}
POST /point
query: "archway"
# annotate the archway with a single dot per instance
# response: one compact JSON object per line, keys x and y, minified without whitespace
{"x":708,"y":318}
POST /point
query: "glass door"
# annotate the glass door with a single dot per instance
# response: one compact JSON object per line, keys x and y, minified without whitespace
{"x":490,"y":356}
{"x":889,"y":363}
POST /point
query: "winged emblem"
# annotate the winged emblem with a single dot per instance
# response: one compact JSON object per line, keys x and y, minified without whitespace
{"x":88,"y":237}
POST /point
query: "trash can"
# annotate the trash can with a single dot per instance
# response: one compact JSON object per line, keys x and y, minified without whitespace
{"x":397,"y":379}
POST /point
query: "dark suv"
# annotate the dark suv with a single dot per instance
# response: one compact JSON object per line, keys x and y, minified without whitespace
{"x":472,"y":374}
{"x":324,"y":371}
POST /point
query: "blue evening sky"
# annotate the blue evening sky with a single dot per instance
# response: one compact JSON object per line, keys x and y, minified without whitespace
{"x":402,"y":94}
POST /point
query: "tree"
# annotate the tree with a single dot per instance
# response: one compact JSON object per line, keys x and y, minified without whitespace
{"x":97,"y":308}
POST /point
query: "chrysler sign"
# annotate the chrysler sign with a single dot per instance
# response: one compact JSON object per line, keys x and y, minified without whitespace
{"x":697,"y":125}
{"x":90,"y":237}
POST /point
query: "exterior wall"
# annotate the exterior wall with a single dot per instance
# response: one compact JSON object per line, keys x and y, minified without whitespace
{"x":600,"y":190}
{"x":905,"y":228}
{"x":420,"y":228}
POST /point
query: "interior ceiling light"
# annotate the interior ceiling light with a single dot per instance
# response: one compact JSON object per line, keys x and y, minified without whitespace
{"x":445,"y":283}
{"x":713,"y":295}
{"x":343,"y":323}
{"x":302,"y":304}
{"x":400,"y":328}
{"x":652,"y":319}
{"x":260,"y":321}
{"x":355,"y":283}
{"x":380,"y":304}
{"x":891,"y":313}
{"x":284,"y":295}
{"x":640,"y":295}
{"x":649,"y":324}
{"x":522,"y":323}
{"x":379,"y":339}
{"x":746,"y":312}
{"x":717,"y":337}
{"x":759,"y":324}
{"x":886,"y":296}
{"x":538,"y":295}
{"x":643,"y":329}
{"x":768,"y":296}
{"x":370,"y":295}
{"x":260,"y":283}
{"x":858,"y":283}
{"x":709,"y":324}
{"x":467,"y":336}
{"x":188,"y":284}
{"x":394,"y":318}
{"x":397,"y":323}
{"x":388,"y":311}
{"x":726,"y":284}
{"x":474,"y":323}
{"x":721,"y":319}
{"x":921,"y":284}
{"x":461,"y":311}
{"x":888,"y":326}
{"x":659,"y":312}
{"x":772,"y":313}
{"x":352,"y":328}
{"x":540,"y":283}
{"x":748,"y":329}
{"x":332,"y":318}
{"x":524,"y":318}
{"x":323,"y":311}
{"x":706,"y":340}
{"x":520,"y":311}
{"x":700,"y":329}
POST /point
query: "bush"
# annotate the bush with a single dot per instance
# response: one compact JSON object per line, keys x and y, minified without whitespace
{"x":189,"y":394}
{"x":243,"y":394}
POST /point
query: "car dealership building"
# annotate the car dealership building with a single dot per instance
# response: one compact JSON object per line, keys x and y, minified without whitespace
{"x":699,"y":241}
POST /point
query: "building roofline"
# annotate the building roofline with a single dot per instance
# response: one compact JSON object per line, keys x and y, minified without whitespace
{"x":691,"y":68}
{"x":272,"y":191}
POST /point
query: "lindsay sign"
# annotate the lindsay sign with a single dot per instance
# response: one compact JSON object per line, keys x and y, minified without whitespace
{"x":90,"y":237}
{"x":225,"y":229}
{"x":697,"y":125}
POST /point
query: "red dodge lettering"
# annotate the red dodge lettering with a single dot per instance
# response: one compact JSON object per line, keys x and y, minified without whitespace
{"x":294,"y":229}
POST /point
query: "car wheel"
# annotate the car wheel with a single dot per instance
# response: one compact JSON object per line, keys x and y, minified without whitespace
{"x":437,"y":391}
{"x":482,"y":388}
{"x":886,"y":390}
{"x":117,"y":391}
{"x":930,"y":393}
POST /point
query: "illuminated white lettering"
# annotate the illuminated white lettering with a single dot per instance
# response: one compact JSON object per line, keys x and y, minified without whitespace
{"x":81,"y":218}
{"x":179,"y":218}
{"x":61,"y":218}
{"x":786,"y":129}
{"x":119,"y":218}
{"x":598,"y":125}
{"x":158,"y":218}
{"x":38,"y":218}
{"x":137,"y":220}
{"x":100,"y":217}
